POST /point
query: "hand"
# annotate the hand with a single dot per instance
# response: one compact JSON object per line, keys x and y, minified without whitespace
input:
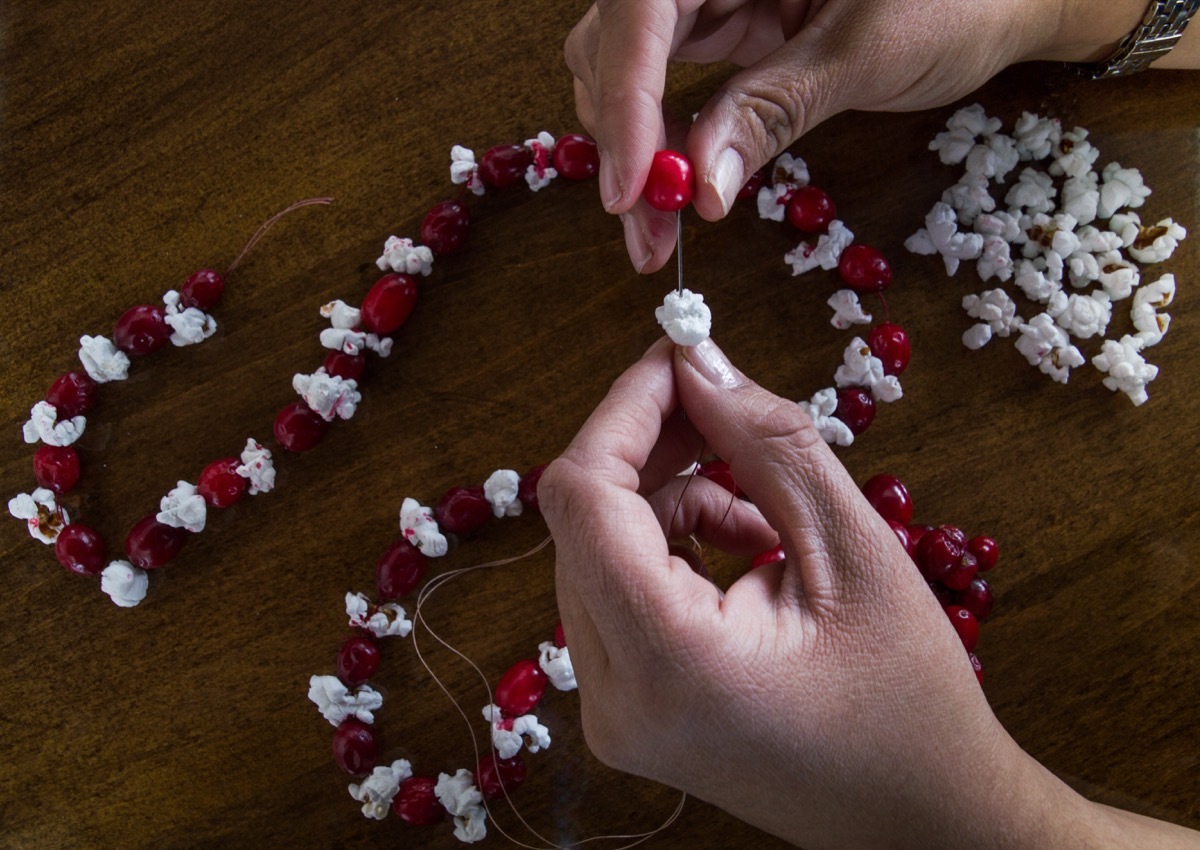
{"x":825,"y":699}
{"x":805,"y":61}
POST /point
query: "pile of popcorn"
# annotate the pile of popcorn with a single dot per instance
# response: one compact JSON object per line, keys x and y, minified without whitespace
{"x":1067,"y":237}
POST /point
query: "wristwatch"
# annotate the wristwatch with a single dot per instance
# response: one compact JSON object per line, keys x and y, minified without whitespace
{"x":1163,"y":25}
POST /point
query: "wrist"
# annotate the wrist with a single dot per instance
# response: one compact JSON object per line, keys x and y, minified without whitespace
{"x":1086,"y":31}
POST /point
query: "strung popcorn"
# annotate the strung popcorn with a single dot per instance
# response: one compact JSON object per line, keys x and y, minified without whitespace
{"x":1036,"y":136}
{"x":377,"y":791}
{"x":940,"y":235}
{"x":42,"y":425}
{"x":1117,"y":277}
{"x":847,"y":310}
{"x":1048,"y":347}
{"x":257,"y":468}
{"x":501,"y":490}
{"x":1123,"y":187}
{"x":1086,"y":315}
{"x":998,"y":313}
{"x":463,"y":169}
{"x":1033,"y":192}
{"x":41,"y":513}
{"x":969,"y":197}
{"x":787,"y":175}
{"x":1151,"y":324}
{"x":124,"y":583}
{"x":190,"y":325}
{"x":459,"y":796}
{"x":509,"y":735}
{"x":1127,"y":371}
{"x":825,"y":254}
{"x":336,"y":702}
{"x":1157,"y":243}
{"x":1074,"y":154}
{"x":341,"y":315}
{"x":328,"y":395}
{"x":421,"y":529}
{"x":820,"y":410}
{"x":387,"y":620}
{"x":1081,"y":197}
{"x":102,"y":360}
{"x":555,"y":662}
{"x":685,"y":317}
{"x":183,"y":508}
{"x":401,"y":255}
{"x":861,"y":368}
{"x":539,"y":173}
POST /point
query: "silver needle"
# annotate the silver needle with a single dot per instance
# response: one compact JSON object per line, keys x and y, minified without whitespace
{"x":679,"y":248}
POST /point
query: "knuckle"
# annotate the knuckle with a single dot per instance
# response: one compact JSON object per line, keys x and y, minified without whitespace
{"x":559,"y":490}
{"x":783,"y":429}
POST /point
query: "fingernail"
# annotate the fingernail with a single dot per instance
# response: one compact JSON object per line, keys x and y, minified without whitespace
{"x":640,"y":251}
{"x":610,"y":186}
{"x":727,"y":176}
{"x":712,"y":363}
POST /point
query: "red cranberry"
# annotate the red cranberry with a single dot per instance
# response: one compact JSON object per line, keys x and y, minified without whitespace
{"x":202,"y":290}
{"x":985,"y":550}
{"x":528,"y":485}
{"x":916,"y":532}
{"x":669,"y":186}
{"x":890,"y":344}
{"x":354,"y":747}
{"x":976,"y":666}
{"x":142,"y":330}
{"x":864,"y":269}
{"x":977,"y":598}
{"x":560,"y":637}
{"x":901,"y":532}
{"x":72,"y":394}
{"x":298,"y":427}
{"x":504,"y":165}
{"x":220,"y":484}
{"x":956,"y":534}
{"x":856,"y":408}
{"x":462,"y":510}
{"x":388,"y":303}
{"x":962,"y":572}
{"x":343,"y":365}
{"x":80,"y":549}
{"x":888,"y":495}
{"x":357,"y":661}
{"x":520,"y":688}
{"x":965,"y":624}
{"x":56,"y":467}
{"x":399,"y":569}
{"x":416,"y":803}
{"x":945,"y":596}
{"x":151,"y":544}
{"x":576,"y":157}
{"x":444,"y":230}
{"x":717,"y":471}
{"x":768,"y":557}
{"x":750,"y":187}
{"x":938,"y":553}
{"x":495,"y":776}
{"x":811,"y":209}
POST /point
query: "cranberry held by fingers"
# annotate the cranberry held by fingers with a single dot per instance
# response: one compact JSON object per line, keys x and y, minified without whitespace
{"x":669,"y":186}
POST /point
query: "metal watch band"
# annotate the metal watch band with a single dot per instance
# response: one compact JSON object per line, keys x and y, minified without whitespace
{"x":1163,"y":25}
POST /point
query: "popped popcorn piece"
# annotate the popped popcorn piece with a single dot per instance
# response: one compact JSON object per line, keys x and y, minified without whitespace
{"x":1127,"y":371}
{"x":1036,"y":136}
{"x":1001,"y":224}
{"x":847,"y":310}
{"x":1074,"y":154}
{"x":328,"y":395}
{"x":381,"y":345}
{"x":1117,"y":276}
{"x":977,"y":336}
{"x":190,"y":325}
{"x":377,"y":791}
{"x":974,"y":120}
{"x":1031,"y":278}
{"x":501,"y":490}
{"x":995,"y":157}
{"x":341,"y":315}
{"x":1048,"y":347}
{"x":1034,"y":192}
{"x":861,"y":368}
{"x":790,"y":171}
{"x":463,"y":169}
{"x":826,"y":253}
{"x":124,"y":583}
{"x":1157,"y":243}
{"x":1123,"y":187}
{"x":401,"y":255}
{"x":344,"y":340}
{"x":1057,"y":304}
{"x":787,"y":174}
{"x":102,"y":360}
{"x":1127,"y":226}
{"x":257,"y":467}
{"x":1082,"y":268}
{"x":1048,"y":234}
{"x":336,"y":702}
{"x":459,"y":796}
{"x":996,"y":260}
{"x":1080,"y":197}
{"x":183,"y":508}
{"x":1158,"y":294}
{"x":509,"y":735}
{"x":995,"y":308}
{"x":685,"y":317}
{"x":1151,"y":325}
{"x":539,"y":173}
{"x":953,"y":145}
{"x":942,"y":235}
{"x":44,"y":518}
{"x":386,"y":620}
{"x":555,"y":662}
{"x":821,"y":409}
{"x":772,"y":201}
{"x":1097,"y":241}
{"x":1086,"y":315}
{"x":969,"y":197}
{"x":421,"y":529}
{"x":43,"y":425}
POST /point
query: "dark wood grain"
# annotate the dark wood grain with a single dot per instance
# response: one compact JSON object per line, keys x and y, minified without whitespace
{"x":141,"y":142}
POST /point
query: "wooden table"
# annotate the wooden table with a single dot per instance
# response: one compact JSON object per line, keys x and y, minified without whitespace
{"x":141,"y":143}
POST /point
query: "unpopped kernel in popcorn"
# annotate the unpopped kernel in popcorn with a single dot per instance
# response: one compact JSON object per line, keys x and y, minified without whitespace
{"x":1157,"y":243}
{"x":459,"y":796}
{"x":825,"y":254}
{"x":555,"y":662}
{"x":183,"y":508}
{"x":190,"y":325}
{"x":1128,"y":372}
{"x":124,"y":583}
{"x":1123,"y":187}
{"x":328,"y":395}
{"x":685,"y":317}
{"x":1074,"y":155}
{"x":501,"y":489}
{"x":847,"y":310}
{"x":820,"y":410}
{"x":1036,"y":136}
{"x":401,"y":255}
{"x":1048,"y":347}
{"x":463,"y":169}
{"x":1086,"y":315}
{"x":421,"y":529}
{"x":257,"y":467}
{"x":969,"y":197}
{"x":102,"y":360}
{"x":43,"y":425}
{"x":1033,"y":192}
{"x":377,"y":791}
{"x":387,"y":620}
{"x":336,"y":702}
{"x":861,"y":368}
{"x":509,"y":735}
{"x":994,"y":307}
{"x":1117,"y":276}
{"x":1081,"y":197}
{"x":539,"y":173}
{"x":43,"y":517}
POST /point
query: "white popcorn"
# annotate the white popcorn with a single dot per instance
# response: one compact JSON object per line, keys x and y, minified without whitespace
{"x":555,"y":662}
{"x":336,"y":702}
{"x":974,"y":120}
{"x":459,"y":796}
{"x":1056,"y":305}
{"x":1150,"y":324}
{"x":43,"y":425}
{"x":685,"y":317}
{"x":401,"y":255}
{"x":509,"y":736}
{"x":996,"y":260}
{"x":940,"y":235}
{"x":343,"y":340}
{"x":102,"y":360}
{"x":1034,"y":191}
{"x":977,"y":336}
{"x":1074,"y":154}
{"x":257,"y":468}
{"x":183,"y":508}
{"x":1036,"y":136}
{"x":1158,"y":294}
{"x":386,"y":620}
{"x":1157,"y":243}
{"x":1081,"y":197}
{"x":1000,"y":224}
{"x":463,"y":169}
{"x":381,"y":345}
{"x":43,"y":517}
{"x":791,"y":171}
{"x":1032,"y":280}
{"x":190,"y":325}
{"x":1127,"y":226}
{"x":1127,"y":371}
{"x":421,"y":529}
{"x":1048,"y":347}
{"x":861,"y":368}
{"x":953,"y":145}
{"x":502,"y":490}
{"x":1082,"y":268}
{"x":124,"y":583}
{"x":1123,"y":187}
{"x":847,"y":310}
{"x":772,"y":201}
{"x":1117,"y":276}
{"x":1055,"y":266}
{"x":328,"y":395}
{"x":969,"y":197}
{"x":539,"y":173}
{"x":821,"y":409}
{"x":1086,"y":315}
{"x":1096,"y":241}
{"x":995,"y":308}
{"x":341,"y":315}
{"x":826,"y":253}
{"x":995,"y":157}
{"x":377,"y":791}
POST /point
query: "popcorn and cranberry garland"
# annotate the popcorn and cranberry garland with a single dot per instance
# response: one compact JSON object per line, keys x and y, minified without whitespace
{"x":1054,"y":218}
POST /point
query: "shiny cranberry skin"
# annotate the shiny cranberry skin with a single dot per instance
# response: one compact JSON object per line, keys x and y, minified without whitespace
{"x":916,"y":532}
{"x":977,"y":598}
{"x":976,"y":666}
{"x":416,"y":803}
{"x":901,"y":532}
{"x":965,"y":624}
{"x":343,"y":365}
{"x":220,"y":484}
{"x":80,"y":549}
{"x":527,"y":487}
{"x":576,"y":157}
{"x":986,"y":551}
{"x":669,"y":186}
{"x":890,"y":344}
{"x":717,"y":471}
{"x":388,"y":303}
{"x":956,"y":534}
{"x":357,"y":661}
{"x":151,"y":544}
{"x":298,"y":427}
{"x":399,"y":569}
{"x":202,"y":290}
{"x":945,"y":596}
{"x":354,"y":747}
{"x":889,"y":497}
{"x":961,"y":574}
{"x":520,"y":688}
{"x":560,"y":637}
{"x":856,"y":408}
{"x":937,"y":554}
{"x":142,"y":330}
{"x":494,"y":776}
{"x":810,"y":209}
{"x":56,"y":467}
{"x":750,"y":187}
{"x":864,"y":269}
{"x":504,"y":165}
{"x":462,"y":510}
{"x":444,"y":230}
{"x":768,"y":557}
{"x":72,"y":394}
